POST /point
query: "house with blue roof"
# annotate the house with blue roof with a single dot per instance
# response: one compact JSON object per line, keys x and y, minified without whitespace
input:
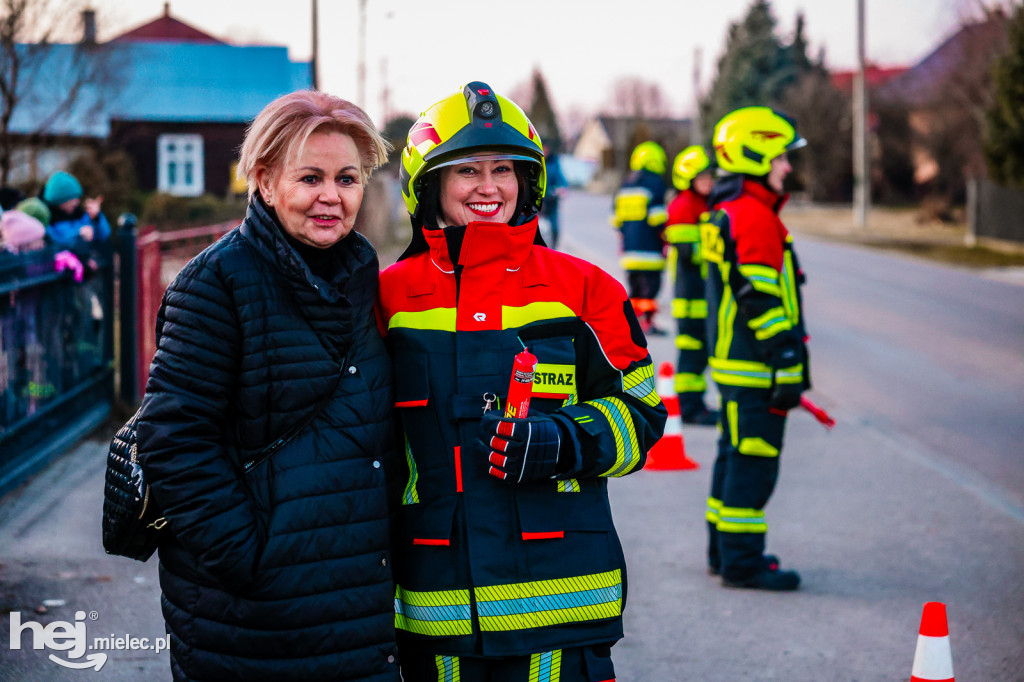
{"x":176,"y":99}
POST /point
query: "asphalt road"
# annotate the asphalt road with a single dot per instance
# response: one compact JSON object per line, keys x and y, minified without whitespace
{"x":915,"y":496}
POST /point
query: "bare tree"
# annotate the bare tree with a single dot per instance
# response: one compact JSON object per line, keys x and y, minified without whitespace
{"x":634,"y":96}
{"x":55,"y":82}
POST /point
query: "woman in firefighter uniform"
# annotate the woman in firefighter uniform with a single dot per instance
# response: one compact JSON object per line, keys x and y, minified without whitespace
{"x":508,"y":566}
{"x":639,"y":214}
{"x":756,"y":338}
{"x":691,"y":175}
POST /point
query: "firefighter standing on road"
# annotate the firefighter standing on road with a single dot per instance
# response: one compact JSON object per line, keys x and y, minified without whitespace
{"x":639,"y":214}
{"x":756,"y":337}
{"x":691,"y":175}
{"x":507,"y":560}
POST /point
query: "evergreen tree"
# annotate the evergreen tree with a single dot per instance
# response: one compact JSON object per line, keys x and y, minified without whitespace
{"x":1004,"y":144}
{"x":756,"y":68}
{"x":542,"y":113}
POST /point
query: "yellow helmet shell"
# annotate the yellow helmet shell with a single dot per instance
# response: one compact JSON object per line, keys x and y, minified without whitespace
{"x":689,"y":163}
{"x":747,"y":140}
{"x":648,"y":156}
{"x":474,"y":119}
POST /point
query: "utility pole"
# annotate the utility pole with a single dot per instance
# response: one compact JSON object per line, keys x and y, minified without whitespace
{"x":861,"y":161}
{"x":313,"y":76}
{"x":385,"y":94}
{"x":361,"y":74}
{"x":696,"y":134}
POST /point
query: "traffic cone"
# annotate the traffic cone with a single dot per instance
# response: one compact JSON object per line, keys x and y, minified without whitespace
{"x":670,"y":451}
{"x":933,"y":660}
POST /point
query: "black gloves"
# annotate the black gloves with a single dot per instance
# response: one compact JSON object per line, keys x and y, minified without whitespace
{"x":787,"y":376}
{"x":521,"y":450}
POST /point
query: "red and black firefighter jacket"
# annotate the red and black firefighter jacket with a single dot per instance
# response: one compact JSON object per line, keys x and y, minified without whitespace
{"x":753,"y":287}
{"x":483,"y":567}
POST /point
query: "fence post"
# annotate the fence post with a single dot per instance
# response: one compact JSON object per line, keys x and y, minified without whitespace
{"x":973,"y":189}
{"x":127,"y":308}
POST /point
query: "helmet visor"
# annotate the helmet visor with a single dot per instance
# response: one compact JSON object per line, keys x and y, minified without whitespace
{"x":485,"y":156}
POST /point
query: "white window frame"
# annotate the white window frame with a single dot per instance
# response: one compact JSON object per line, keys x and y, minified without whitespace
{"x":179,"y":164}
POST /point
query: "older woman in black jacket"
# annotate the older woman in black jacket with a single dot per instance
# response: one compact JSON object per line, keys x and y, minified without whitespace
{"x":280,"y":571}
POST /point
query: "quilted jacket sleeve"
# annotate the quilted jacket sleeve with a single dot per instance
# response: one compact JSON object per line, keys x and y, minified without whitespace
{"x":618,"y":415}
{"x":181,"y":431}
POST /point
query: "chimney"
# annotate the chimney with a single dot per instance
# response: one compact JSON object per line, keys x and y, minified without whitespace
{"x":89,"y":27}
{"x":167,"y":9}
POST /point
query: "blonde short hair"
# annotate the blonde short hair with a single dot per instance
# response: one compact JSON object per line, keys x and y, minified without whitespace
{"x":280,"y":131}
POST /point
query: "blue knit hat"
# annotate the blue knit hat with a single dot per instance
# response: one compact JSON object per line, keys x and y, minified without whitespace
{"x":61,"y":187}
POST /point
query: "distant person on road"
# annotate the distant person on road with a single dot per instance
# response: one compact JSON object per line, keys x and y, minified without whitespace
{"x":756,"y":339}
{"x":280,"y":570}
{"x":556,"y":187}
{"x":508,"y":566}
{"x":691,"y":175}
{"x":639,"y":214}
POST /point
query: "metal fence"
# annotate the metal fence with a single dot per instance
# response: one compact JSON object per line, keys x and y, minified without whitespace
{"x":994,"y":211}
{"x":56,"y":356}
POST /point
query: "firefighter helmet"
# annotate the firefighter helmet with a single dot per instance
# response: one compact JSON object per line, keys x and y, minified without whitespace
{"x":747,"y":140}
{"x":648,"y":156}
{"x":474,"y":120}
{"x":690,"y":163}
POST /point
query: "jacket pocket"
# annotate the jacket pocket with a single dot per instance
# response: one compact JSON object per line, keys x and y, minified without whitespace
{"x":556,"y":375}
{"x":545,"y":514}
{"x":428,"y":524}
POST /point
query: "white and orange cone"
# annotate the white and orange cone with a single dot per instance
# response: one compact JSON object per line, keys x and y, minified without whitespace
{"x":933,"y":660}
{"x":670,"y":451}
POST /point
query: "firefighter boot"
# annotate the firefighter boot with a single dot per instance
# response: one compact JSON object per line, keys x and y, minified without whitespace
{"x":770,"y":577}
{"x":701,"y":417}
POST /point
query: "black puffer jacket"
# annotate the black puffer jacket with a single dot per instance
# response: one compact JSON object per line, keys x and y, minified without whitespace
{"x":283,"y":573}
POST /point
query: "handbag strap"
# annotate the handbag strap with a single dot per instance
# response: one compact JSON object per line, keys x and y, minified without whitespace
{"x":268,"y":452}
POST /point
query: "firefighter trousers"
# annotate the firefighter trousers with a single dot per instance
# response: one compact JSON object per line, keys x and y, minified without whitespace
{"x":578,"y":664}
{"x":742,"y":481}
{"x":691,"y":311}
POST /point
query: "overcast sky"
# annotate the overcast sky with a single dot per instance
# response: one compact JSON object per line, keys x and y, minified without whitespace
{"x":428,"y":48}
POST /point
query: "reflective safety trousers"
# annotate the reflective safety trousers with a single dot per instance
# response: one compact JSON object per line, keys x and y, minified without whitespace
{"x":484,"y":567}
{"x":752,"y":287}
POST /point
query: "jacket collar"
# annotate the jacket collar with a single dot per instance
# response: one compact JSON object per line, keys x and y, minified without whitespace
{"x":483,"y":244}
{"x":355,"y":255}
{"x":765,"y":194}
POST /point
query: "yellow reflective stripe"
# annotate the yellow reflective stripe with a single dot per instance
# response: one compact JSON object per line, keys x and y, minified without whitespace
{"x":689,"y":308}
{"x":732,"y":410}
{"x":546,"y":666}
{"x":790,"y":375}
{"x":726,"y":315}
{"x":712,"y":510}
{"x":769,"y":324}
{"x":435,"y":614}
{"x":687,"y":342}
{"x":642,"y":260}
{"x":682,"y":233}
{"x":640,"y":384}
{"x":620,"y":421}
{"x":690,"y":383}
{"x":740,"y":373}
{"x":740,"y":520}
{"x":631,"y":204}
{"x":569,"y":485}
{"x":448,"y":668}
{"x":788,"y":286}
{"x":763,"y":278}
{"x":437,"y":319}
{"x":517,"y":316}
{"x":411,"y":495}
{"x":522,"y":606}
{"x":757,"y":447}
{"x":658,"y":216}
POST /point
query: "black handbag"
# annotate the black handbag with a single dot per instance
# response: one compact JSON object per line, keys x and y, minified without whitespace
{"x":131,"y":520}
